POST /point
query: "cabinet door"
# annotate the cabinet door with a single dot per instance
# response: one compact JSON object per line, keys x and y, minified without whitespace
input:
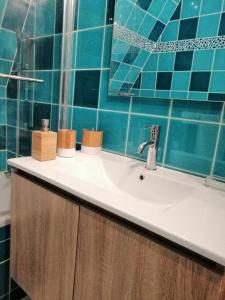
{"x":43,"y":241}
{"x":115,"y":263}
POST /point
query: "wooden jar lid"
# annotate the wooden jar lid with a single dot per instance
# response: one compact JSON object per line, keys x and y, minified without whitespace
{"x":92,"y":138}
{"x":66,"y":138}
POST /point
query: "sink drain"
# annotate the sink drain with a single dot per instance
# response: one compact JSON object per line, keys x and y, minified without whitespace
{"x":141,"y":177}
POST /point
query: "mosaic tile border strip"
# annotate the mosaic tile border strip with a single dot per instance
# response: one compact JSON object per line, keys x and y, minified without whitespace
{"x":121,"y":33}
{"x":132,"y":38}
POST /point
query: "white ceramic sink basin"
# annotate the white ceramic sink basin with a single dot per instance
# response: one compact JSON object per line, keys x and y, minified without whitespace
{"x":130,"y":178}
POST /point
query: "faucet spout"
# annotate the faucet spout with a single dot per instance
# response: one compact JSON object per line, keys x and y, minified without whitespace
{"x":142,"y":146}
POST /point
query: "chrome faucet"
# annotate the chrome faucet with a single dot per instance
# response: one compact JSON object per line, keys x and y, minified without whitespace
{"x":152,"y":145}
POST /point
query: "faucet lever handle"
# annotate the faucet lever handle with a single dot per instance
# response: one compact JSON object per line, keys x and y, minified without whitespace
{"x":154,"y":132}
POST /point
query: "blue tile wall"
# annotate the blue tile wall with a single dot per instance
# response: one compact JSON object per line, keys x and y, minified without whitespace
{"x":122,"y":119}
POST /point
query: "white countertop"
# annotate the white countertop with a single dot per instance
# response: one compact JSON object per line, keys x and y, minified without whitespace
{"x":175,"y":205}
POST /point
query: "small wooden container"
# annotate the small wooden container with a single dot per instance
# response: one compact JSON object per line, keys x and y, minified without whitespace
{"x":91,"y":141}
{"x":66,"y":142}
{"x":44,"y":145}
{"x":91,"y":138}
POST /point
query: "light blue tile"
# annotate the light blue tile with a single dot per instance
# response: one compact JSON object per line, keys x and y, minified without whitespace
{"x":190,"y":8}
{"x":208,"y":25}
{"x":119,"y":50}
{"x":148,"y":80}
{"x":2,"y":7}
{"x":178,"y":95}
{"x":5,"y":67}
{"x":45,"y":18}
{"x":2,"y":161}
{"x":83,"y":119}
{"x":219,"y":61}
{"x":121,"y":72}
{"x":57,"y":51}
{"x":191,"y":146}
{"x":181,"y":81}
{"x":109,"y":102}
{"x":8,"y":44}
{"x":2,"y":111}
{"x":151,"y":106}
{"x":209,"y":6}
{"x":198,"y":96}
{"x":138,"y":134}
{"x":171,"y":32}
{"x":166,"y":61}
{"x":122,"y":11}
{"x":203,"y":60}
{"x":167,"y":11}
{"x":141,"y":59}
{"x":11,"y":112}
{"x":114,"y":126}
{"x":2,"y":91}
{"x":89,"y":49}
{"x":197,"y":110}
{"x":135,"y":19}
{"x":156,"y":7}
{"x":42,"y":91}
{"x":220,"y":157}
{"x":152,"y":62}
{"x":91,"y":13}
{"x":146,"y":25}
{"x":217,"y":82}
{"x":107,"y":47}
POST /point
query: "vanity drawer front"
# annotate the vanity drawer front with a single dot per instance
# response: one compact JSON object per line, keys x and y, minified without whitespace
{"x":43,"y":245}
{"x":116,"y":263}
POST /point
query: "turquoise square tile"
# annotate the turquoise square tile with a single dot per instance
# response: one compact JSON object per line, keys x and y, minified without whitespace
{"x":208,"y":26}
{"x":219,"y":169}
{"x":114,"y":127}
{"x":11,"y":112}
{"x":171,"y":32}
{"x":151,"y":106}
{"x":152,"y":62}
{"x":57,"y":51}
{"x":123,"y":9}
{"x":2,"y":111}
{"x":2,"y":164}
{"x":197,"y":110}
{"x":148,"y":80}
{"x":166,"y":61}
{"x":45,"y":17}
{"x":147,"y":93}
{"x":146,"y":25}
{"x":167,"y":11}
{"x":54,"y":117}
{"x":156,"y":7}
{"x":89,"y":49}
{"x":109,"y":102}
{"x":42,"y":91}
{"x":191,"y":146}
{"x":162,"y":94}
{"x":138,"y":134}
{"x":2,"y":91}
{"x":83,"y":119}
{"x":56,"y":86}
{"x":4,"y":250}
{"x":107,"y":47}
{"x":4,"y":233}
{"x":121,"y":72}
{"x":8,"y":43}
{"x":91,"y":13}
{"x":141,"y":59}
{"x":217,"y":82}
{"x":210,"y":7}
{"x":202,"y":60}
{"x":190,"y":8}
{"x":115,"y":86}
{"x":5,"y":67}
{"x":135,"y":19}
{"x":219,"y":60}
{"x":181,"y":81}
{"x":119,"y":50}
{"x":2,"y":7}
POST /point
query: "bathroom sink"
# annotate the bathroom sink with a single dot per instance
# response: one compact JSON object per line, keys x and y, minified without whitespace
{"x":130,"y":178}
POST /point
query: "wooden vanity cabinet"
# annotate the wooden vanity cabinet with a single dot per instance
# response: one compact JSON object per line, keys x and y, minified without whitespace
{"x":116,"y":263}
{"x":43,"y":240}
{"x":64,"y":251}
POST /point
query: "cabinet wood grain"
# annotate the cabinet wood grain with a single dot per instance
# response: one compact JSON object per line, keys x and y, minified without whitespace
{"x":116,"y":263}
{"x":43,"y":240}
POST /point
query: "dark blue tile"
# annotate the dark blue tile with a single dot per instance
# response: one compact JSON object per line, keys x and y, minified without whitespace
{"x":222,"y":25}
{"x":88,"y":96}
{"x":191,"y":146}
{"x":110,"y":11}
{"x":144,"y":4}
{"x":4,"y":232}
{"x":188,"y":28}
{"x":41,"y":111}
{"x":4,"y":250}
{"x":59,"y":16}
{"x":216,"y":97}
{"x":200,"y":81}
{"x":44,"y":53}
{"x":25,"y":142}
{"x":176,"y":14}
{"x":164,"y":80}
{"x":4,"y":275}
{"x":183,"y":61}
{"x":2,"y":137}
{"x":156,"y":31}
{"x":11,"y":112}
{"x":54,"y":117}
